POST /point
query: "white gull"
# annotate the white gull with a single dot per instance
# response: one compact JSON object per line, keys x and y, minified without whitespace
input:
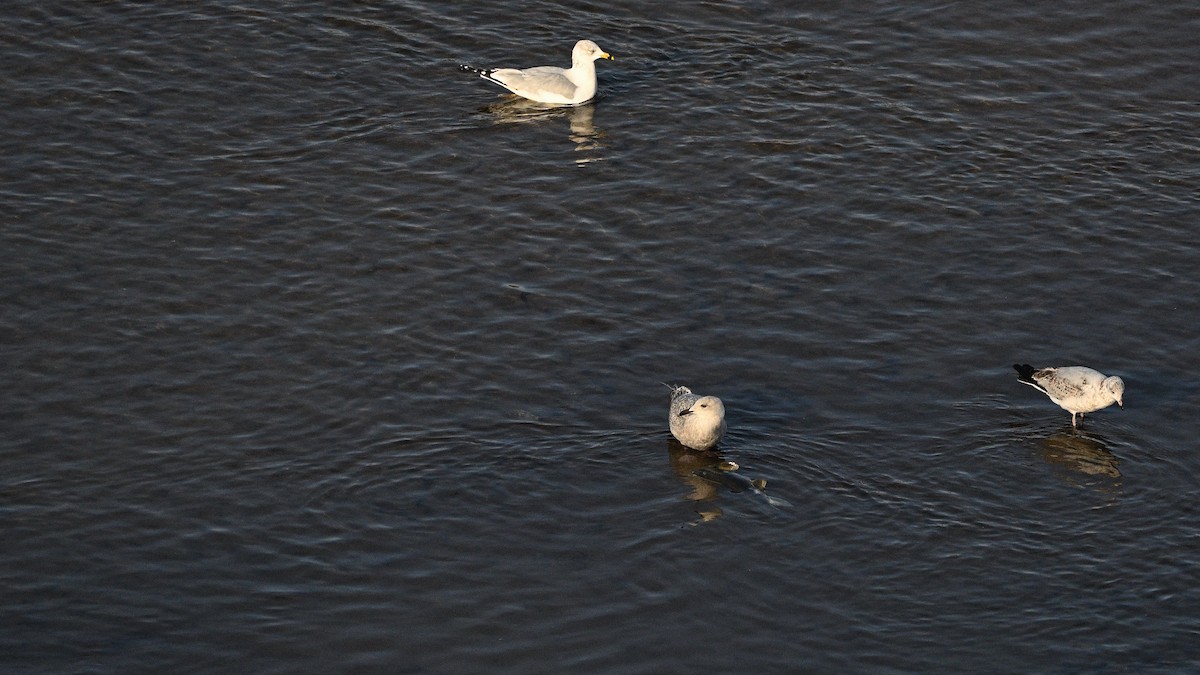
{"x":1076,"y":389}
{"x":551,"y":84}
{"x":696,"y":421}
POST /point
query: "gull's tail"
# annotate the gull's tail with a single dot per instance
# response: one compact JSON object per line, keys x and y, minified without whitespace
{"x":485,"y":73}
{"x":478,"y":71}
{"x":676,"y":389}
{"x":1025,"y":374}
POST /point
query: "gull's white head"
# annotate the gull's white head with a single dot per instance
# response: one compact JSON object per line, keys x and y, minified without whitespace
{"x":587,"y":51}
{"x":1116,"y":387}
{"x":708,"y":408}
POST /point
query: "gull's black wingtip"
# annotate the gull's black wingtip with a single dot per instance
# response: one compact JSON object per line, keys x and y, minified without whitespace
{"x":482,"y":72}
{"x":1024,"y":372}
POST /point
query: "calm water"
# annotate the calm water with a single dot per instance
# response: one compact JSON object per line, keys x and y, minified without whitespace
{"x":319,"y":354}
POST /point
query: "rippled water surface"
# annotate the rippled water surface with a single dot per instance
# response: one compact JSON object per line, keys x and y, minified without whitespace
{"x":320,"y":354}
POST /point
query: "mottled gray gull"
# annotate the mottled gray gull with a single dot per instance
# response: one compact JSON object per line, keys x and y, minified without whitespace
{"x":551,"y":84}
{"x":1077,"y":389}
{"x":696,"y":421}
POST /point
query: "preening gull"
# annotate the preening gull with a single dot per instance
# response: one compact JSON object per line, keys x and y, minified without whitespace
{"x":1077,"y":389}
{"x":696,"y":421}
{"x":551,"y":84}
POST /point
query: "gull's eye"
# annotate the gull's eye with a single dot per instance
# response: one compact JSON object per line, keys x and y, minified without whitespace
{"x":703,"y":405}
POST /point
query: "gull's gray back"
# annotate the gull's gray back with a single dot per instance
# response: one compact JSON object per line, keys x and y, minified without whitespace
{"x":545,"y":78}
{"x":681,"y":399}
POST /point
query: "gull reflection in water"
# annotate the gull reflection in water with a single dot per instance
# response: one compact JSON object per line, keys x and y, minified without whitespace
{"x":684,"y":462}
{"x":1081,"y":453}
{"x":707,"y":473}
{"x":580,"y":118}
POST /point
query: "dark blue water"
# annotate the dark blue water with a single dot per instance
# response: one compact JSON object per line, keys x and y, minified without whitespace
{"x":321,"y":355}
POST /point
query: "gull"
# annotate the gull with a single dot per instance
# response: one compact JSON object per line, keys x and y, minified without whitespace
{"x":1076,"y":389}
{"x":696,"y":421}
{"x":551,"y":84}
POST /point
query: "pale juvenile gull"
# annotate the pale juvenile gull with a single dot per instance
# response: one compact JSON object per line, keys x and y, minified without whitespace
{"x":1077,"y":389}
{"x":551,"y":84}
{"x":696,"y":421}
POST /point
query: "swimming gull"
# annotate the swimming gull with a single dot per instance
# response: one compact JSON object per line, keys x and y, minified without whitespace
{"x":696,"y":421}
{"x":551,"y":84}
{"x":1077,"y":389}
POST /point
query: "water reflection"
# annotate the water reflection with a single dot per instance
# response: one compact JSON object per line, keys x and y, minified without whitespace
{"x":1080,"y":452}
{"x":685,"y":461}
{"x":580,"y":118}
{"x":706,"y":472}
